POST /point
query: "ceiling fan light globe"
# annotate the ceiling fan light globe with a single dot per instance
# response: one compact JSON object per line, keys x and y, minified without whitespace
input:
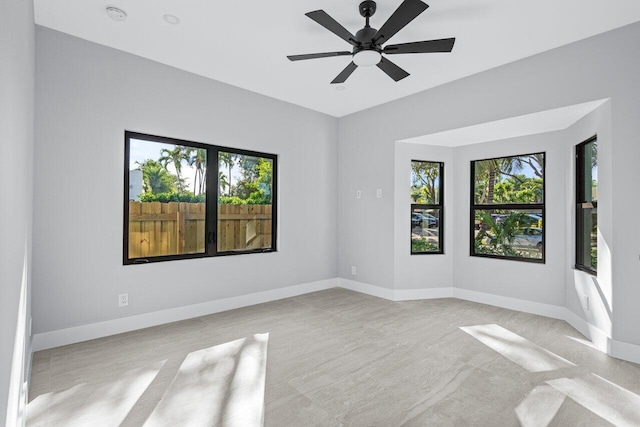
{"x":367,"y":58}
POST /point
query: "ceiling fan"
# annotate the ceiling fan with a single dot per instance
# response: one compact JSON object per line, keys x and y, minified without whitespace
{"x":367,"y":43}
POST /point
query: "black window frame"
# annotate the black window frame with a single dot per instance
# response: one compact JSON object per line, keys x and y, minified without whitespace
{"x":211,"y":192}
{"x":439,"y":206}
{"x":508,"y":206}
{"x":581,"y":205}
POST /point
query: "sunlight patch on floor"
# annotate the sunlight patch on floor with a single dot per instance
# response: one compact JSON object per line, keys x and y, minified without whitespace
{"x":103,"y":403}
{"x":540,"y":406}
{"x":220,"y":385}
{"x":519,"y":350}
{"x":611,"y":402}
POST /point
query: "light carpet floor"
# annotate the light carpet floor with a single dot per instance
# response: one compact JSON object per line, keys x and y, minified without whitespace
{"x":338,"y":358}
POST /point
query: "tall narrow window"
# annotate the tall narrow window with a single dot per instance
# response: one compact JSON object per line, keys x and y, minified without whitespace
{"x":171,"y":189}
{"x":427,"y":210}
{"x":587,"y":206}
{"x":507,"y":207}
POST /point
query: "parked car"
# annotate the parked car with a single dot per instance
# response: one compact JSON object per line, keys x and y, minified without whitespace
{"x":530,"y":237}
{"x":423,"y":220}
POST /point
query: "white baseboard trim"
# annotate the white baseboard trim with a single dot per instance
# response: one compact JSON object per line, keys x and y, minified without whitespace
{"x":365,"y":288}
{"x":601,"y":340}
{"x":625,"y":351}
{"x":418,"y":294}
{"x":395,"y":294}
{"x":618,"y":349}
{"x":547,"y":310}
{"x":46,"y":340}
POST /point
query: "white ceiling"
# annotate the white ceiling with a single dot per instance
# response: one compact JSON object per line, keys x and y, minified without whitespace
{"x":246,"y":43}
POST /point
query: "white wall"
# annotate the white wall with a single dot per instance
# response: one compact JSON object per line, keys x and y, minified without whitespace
{"x":16,"y":162}
{"x":579,"y":284}
{"x":584,"y":71}
{"x":87,"y":96}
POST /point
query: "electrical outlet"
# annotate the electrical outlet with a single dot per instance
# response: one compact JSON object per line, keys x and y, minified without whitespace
{"x":353,"y":270}
{"x":358,"y":194}
{"x":586,"y":303}
{"x":123,"y":300}
{"x":379,"y":193}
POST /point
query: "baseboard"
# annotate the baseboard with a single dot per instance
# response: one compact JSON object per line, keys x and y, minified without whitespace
{"x":603,"y":342}
{"x":618,"y":349}
{"x":418,"y":294}
{"x":91,"y":331}
{"x":365,"y":288}
{"x":625,"y":351}
{"x":547,"y":310}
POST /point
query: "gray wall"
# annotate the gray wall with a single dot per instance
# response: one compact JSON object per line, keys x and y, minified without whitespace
{"x":87,"y":95}
{"x":16,"y":143}
{"x":605,"y":66}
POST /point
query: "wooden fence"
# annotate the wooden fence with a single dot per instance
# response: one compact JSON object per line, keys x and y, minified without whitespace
{"x":179,"y":228}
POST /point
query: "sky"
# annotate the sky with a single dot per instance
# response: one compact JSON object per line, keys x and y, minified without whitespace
{"x":141,"y":150}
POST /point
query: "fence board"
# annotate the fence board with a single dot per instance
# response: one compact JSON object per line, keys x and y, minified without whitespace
{"x":174,"y":228}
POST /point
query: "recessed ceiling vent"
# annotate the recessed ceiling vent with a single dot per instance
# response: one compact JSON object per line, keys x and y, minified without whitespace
{"x":116,"y":14}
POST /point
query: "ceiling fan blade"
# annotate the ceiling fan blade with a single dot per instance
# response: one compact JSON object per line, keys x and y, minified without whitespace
{"x":322,"y":18}
{"x":317,"y":55}
{"x":344,"y":75}
{"x":392,"y":70}
{"x":405,"y":13}
{"x":427,"y":46}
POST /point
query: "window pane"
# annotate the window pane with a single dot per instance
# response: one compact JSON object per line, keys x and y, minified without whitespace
{"x":587,"y":229}
{"x":509,"y":180}
{"x":425,"y":183}
{"x":425,"y":230}
{"x":166,"y":199}
{"x":509,"y":233}
{"x":589,"y":159}
{"x":244,"y":202}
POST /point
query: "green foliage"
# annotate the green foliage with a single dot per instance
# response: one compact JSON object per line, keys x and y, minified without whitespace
{"x":518,"y":189}
{"x":499,"y":181}
{"x":155,"y":178}
{"x":423,"y":245}
{"x":184,"y":197}
{"x":425,"y":182}
{"x":254,"y":186}
{"x":496,"y":238}
{"x":176,"y":156}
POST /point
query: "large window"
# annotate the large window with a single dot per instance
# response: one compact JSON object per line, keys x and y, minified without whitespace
{"x":188,"y":200}
{"x":587,"y":206}
{"x":427,"y":211}
{"x":507,"y":207}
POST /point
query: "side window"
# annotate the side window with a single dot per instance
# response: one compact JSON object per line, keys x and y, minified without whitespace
{"x":170,"y":191}
{"x":427,"y":207}
{"x":587,"y":206}
{"x":507,"y":207}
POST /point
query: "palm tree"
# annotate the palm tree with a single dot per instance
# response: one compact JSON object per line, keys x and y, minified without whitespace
{"x":222,"y":182}
{"x":175,"y":156}
{"x":155,"y":178}
{"x":229,"y":159}
{"x":198,"y":157}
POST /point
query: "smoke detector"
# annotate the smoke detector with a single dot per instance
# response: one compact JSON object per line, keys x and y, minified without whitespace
{"x":116,"y":14}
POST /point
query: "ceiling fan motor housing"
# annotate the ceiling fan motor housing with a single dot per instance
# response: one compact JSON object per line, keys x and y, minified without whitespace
{"x":365,"y":38}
